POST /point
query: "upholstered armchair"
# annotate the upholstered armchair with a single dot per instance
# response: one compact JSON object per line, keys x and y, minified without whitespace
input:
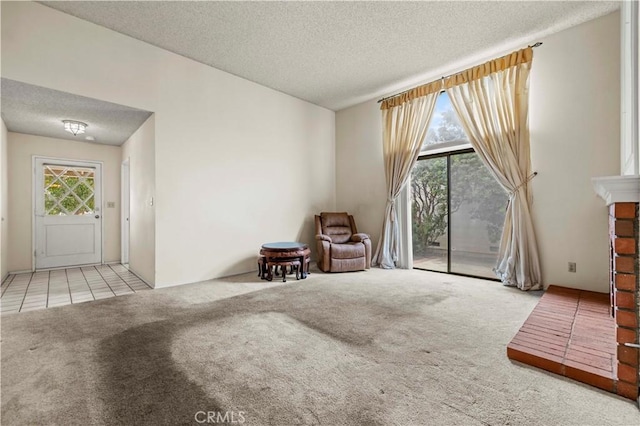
{"x":340,"y":247}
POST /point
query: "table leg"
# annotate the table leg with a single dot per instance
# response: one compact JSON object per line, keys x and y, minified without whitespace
{"x":269,"y":272}
{"x":303,"y":267}
{"x":262,"y":268}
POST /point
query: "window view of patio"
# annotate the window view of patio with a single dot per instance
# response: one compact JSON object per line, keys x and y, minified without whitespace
{"x":429,"y":214}
{"x":456,"y":204}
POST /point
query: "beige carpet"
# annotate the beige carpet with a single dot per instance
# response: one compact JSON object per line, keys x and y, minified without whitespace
{"x":371,"y":348}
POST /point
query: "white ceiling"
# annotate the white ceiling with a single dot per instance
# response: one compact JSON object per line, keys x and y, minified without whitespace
{"x":39,"y":111}
{"x":335,"y":54}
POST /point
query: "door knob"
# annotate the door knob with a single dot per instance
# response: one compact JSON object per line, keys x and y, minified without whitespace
{"x":97,"y":216}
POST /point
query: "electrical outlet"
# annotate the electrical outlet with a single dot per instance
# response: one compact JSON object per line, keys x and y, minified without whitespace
{"x":572,"y":266}
{"x":111,"y":204}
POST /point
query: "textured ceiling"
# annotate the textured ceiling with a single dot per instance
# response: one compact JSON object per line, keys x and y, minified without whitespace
{"x":334,"y":54}
{"x":39,"y":111}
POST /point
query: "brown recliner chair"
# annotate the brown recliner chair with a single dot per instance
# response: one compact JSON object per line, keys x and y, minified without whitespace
{"x":340,"y":247}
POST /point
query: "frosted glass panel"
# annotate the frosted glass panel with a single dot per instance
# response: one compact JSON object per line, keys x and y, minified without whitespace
{"x":478,"y":206}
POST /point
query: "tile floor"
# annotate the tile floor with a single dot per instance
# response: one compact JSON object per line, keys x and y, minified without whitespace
{"x":45,"y":289}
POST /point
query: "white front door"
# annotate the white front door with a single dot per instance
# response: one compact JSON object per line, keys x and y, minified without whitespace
{"x":68,"y":217}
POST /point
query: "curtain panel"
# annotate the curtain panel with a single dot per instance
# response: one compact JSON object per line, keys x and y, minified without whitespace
{"x":405,"y":121}
{"x":492,"y":103}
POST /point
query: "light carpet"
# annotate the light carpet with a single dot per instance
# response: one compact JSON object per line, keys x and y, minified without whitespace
{"x":370,"y":348}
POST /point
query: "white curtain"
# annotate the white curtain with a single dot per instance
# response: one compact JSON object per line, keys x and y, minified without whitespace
{"x":492,"y":102}
{"x":405,"y":119}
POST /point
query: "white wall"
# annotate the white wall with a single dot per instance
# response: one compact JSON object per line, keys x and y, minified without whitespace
{"x":139,"y":150}
{"x":4,"y":198}
{"x":21,"y":149}
{"x":575,"y":129}
{"x":575,"y":135}
{"x":361,"y":188}
{"x":237,"y":164}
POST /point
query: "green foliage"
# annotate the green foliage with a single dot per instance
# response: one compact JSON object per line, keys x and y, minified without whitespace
{"x":70,"y":203}
{"x":429,"y":207}
{"x":475,"y":185}
{"x":68,"y":193}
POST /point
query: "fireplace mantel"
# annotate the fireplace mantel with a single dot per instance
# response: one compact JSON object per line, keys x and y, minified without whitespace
{"x":618,"y":189}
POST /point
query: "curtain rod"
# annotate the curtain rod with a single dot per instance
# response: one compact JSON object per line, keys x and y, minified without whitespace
{"x":538,"y":44}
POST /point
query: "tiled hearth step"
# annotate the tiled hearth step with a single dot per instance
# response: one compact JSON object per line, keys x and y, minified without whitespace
{"x":571,"y":333}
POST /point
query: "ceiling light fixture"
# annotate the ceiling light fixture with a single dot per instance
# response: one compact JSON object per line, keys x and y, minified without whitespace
{"x":74,"y":127}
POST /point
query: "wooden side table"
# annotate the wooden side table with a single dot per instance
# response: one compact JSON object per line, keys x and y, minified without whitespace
{"x":283,"y":254}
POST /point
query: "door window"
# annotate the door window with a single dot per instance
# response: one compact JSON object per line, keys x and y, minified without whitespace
{"x":68,"y":190}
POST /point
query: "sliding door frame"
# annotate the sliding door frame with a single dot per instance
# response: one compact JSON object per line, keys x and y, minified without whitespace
{"x":448,"y":155}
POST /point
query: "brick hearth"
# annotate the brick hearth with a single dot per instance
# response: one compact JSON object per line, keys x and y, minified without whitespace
{"x":592,"y":337}
{"x":571,"y":333}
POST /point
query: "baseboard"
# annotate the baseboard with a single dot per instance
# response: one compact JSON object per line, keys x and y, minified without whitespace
{"x":252,"y":271}
{"x":29,"y":271}
{"x":139,"y":277}
{"x":26,"y":271}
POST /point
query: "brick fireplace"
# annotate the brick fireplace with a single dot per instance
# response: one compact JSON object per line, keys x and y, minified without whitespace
{"x":622,"y":196}
{"x":623,"y":233}
{"x":594,"y":337}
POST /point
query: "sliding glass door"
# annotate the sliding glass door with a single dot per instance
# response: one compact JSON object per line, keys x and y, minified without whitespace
{"x":457,"y":207}
{"x":478,"y":204}
{"x":457,"y":214}
{"x":429,"y":214}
